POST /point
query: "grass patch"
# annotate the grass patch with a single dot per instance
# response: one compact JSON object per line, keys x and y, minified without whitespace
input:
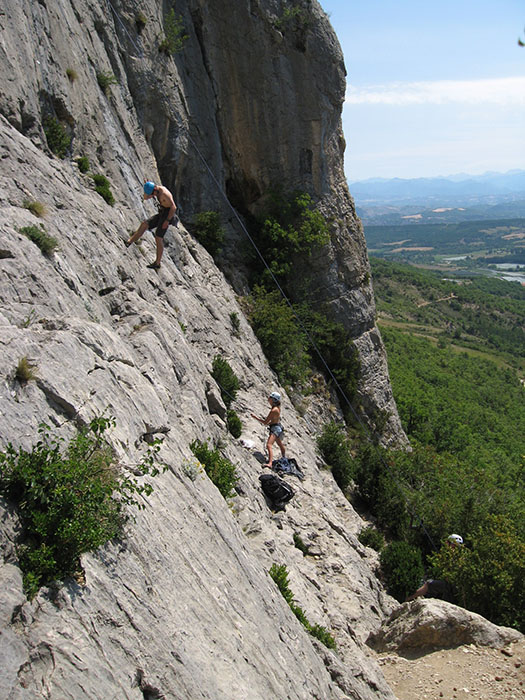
{"x":25,"y":370}
{"x":44,"y":241}
{"x":72,"y":75}
{"x":35,"y":207}
{"x":280,"y":576}
{"x":70,"y":499}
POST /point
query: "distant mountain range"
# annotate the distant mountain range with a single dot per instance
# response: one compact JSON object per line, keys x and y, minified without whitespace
{"x":455,"y":189}
{"x":453,"y":198}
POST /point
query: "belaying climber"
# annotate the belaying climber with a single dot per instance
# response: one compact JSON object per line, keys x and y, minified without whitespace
{"x":159,"y":222}
{"x":272,"y":420}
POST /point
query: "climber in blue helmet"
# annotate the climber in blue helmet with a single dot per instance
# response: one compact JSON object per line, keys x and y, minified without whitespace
{"x":159,"y":222}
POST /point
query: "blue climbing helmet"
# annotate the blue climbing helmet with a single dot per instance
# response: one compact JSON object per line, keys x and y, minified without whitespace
{"x":149,"y":187}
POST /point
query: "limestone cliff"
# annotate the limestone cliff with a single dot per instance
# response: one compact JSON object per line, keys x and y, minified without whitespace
{"x":183,"y":606}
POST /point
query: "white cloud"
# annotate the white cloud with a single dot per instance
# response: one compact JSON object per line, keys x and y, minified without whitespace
{"x":490,"y":90}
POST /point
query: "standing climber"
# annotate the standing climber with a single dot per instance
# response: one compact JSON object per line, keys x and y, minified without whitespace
{"x":159,"y":222}
{"x":272,"y":420}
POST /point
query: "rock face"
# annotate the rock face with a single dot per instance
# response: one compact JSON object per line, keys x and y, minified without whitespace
{"x":182,"y":606}
{"x":435,"y":624}
{"x":252,"y":101}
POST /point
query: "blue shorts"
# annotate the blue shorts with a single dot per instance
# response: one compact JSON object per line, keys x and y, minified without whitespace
{"x":276,"y":429}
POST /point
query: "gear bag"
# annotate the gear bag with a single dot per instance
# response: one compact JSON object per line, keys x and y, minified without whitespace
{"x":276,"y":490}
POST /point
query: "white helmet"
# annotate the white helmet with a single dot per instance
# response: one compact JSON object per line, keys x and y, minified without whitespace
{"x":275,"y":396}
{"x":456,"y":539}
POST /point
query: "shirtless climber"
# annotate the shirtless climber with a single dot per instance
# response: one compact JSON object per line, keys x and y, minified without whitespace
{"x":159,"y":222}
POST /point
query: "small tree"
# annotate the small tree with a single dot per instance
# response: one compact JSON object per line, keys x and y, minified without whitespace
{"x":403,"y":569}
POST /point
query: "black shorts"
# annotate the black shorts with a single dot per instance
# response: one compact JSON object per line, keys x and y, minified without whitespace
{"x":156,"y":222}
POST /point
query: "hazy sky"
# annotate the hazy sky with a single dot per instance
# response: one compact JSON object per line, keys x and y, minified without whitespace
{"x":433,"y":88}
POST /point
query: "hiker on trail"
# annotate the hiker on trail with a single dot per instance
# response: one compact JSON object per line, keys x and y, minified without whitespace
{"x":159,"y":222}
{"x":272,"y":420}
{"x":437,"y":588}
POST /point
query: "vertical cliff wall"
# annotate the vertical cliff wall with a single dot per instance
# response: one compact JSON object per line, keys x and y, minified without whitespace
{"x":182,"y":606}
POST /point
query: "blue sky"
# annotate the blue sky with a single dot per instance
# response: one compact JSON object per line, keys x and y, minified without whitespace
{"x":433,"y":88}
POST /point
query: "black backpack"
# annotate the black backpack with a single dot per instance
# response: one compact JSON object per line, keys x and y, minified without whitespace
{"x":276,"y":490}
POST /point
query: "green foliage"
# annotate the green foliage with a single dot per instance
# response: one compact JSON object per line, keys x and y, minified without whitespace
{"x":44,"y":241}
{"x":278,"y":331}
{"x":37,"y":208}
{"x":485,"y":313}
{"x":105,"y":80}
{"x":371,"y":537}
{"x":377,"y":485}
{"x":83,"y":164}
{"x":301,"y":546}
{"x":57,"y":136}
{"x":207,"y":229}
{"x":488,"y":575}
{"x":175,"y":38}
{"x":220,"y":470}
{"x":334,"y":447}
{"x":292,"y":229}
{"x":296,"y":20}
{"x":459,"y":404}
{"x":337,"y":349}
{"x":70,"y":499}
{"x":236,"y":323}
{"x":234,"y":423}
{"x":71,"y":74}
{"x":225,"y":377}
{"x":402,"y":567}
{"x":280,"y":576}
{"x":25,"y":370}
{"x":102,"y":187}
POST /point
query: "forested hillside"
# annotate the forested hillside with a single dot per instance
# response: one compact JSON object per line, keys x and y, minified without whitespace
{"x":454,"y":357}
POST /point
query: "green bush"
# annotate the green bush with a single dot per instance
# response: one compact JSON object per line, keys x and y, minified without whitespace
{"x":338,"y":351}
{"x":376,"y":483}
{"x":57,"y":136}
{"x":207,"y":229}
{"x":102,"y":188}
{"x":403,"y":569}
{"x":83,"y":164}
{"x":105,"y":80}
{"x":291,"y":228}
{"x":70,"y":499}
{"x":46,"y":243}
{"x":283,"y":343}
{"x":280,"y":576}
{"x":234,"y":423}
{"x":334,"y":447}
{"x":225,"y":377}
{"x":488,"y":576}
{"x":71,"y":74}
{"x":175,"y":38}
{"x":220,"y":470}
{"x":371,"y":537}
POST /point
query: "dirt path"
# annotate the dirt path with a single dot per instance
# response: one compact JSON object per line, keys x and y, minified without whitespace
{"x":468,"y":672}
